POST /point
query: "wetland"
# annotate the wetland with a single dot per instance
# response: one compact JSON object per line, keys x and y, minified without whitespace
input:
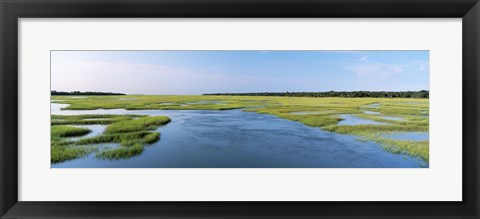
{"x":219,"y":131}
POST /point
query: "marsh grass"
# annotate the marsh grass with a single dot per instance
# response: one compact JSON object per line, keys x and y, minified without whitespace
{"x":145,"y":123}
{"x":62,"y":149}
{"x":64,"y":153}
{"x":125,"y":139}
{"x":366,"y":129}
{"x":121,"y":152}
{"x":412,"y":110}
{"x":151,"y":138}
{"x":131,"y":132}
{"x":68,"y":131}
{"x":58,"y":141}
{"x":90,"y":119}
{"x":416,"y":148}
{"x":313,"y":120}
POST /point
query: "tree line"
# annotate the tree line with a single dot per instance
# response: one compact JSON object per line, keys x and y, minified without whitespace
{"x":377,"y":94}
{"x":87,"y":93}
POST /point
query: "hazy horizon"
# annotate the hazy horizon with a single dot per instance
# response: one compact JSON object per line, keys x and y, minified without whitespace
{"x":203,"y":72}
{"x":234,"y":93}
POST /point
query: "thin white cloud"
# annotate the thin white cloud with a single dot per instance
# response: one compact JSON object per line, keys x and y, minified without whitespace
{"x":417,"y":65}
{"x":378,"y":76}
{"x":364,"y":58}
{"x":374,"y":69}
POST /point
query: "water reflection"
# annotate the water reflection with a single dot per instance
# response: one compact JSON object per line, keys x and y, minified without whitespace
{"x":408,"y":136}
{"x":354,"y":120}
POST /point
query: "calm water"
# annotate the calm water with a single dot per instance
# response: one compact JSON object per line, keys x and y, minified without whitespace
{"x":355,"y":120}
{"x":233,"y":138}
{"x":371,"y":112}
{"x":408,"y":136}
{"x":95,"y":130}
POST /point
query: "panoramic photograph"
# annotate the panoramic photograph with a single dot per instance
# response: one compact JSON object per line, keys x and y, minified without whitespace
{"x":239,"y":109}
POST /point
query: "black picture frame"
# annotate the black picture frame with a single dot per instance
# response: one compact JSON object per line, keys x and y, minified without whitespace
{"x":12,"y":10}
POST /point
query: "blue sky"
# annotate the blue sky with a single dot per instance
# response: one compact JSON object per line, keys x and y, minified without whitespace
{"x":198,"y":72}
